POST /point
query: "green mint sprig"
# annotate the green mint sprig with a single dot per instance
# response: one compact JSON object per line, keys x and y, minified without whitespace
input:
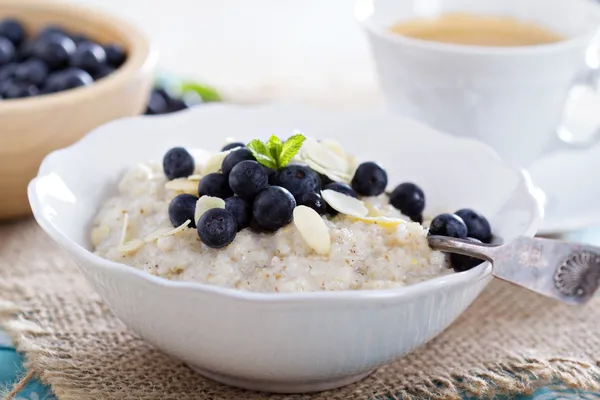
{"x":276,"y":154}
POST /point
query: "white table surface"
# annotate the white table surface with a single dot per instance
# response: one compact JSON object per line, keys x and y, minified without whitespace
{"x":305,"y":50}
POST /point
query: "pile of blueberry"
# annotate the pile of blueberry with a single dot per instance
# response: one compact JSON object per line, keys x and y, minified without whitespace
{"x":263,"y":199}
{"x":463,"y":224}
{"x":51,"y":61}
{"x":257,"y":197}
{"x":165,"y":101}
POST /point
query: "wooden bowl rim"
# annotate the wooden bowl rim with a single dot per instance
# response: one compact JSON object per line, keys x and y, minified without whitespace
{"x":142,"y":56}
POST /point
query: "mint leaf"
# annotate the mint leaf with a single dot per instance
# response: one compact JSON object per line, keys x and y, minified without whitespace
{"x":206,"y":93}
{"x":275,"y":146}
{"x":261,"y":153}
{"x":290,"y":148}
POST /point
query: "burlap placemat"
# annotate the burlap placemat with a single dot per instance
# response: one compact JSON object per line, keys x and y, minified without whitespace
{"x":509,"y":341}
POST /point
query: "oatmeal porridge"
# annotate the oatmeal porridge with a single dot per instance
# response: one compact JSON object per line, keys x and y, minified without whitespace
{"x":295,"y":216}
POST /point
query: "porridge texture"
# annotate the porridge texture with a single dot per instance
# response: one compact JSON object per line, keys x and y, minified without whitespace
{"x":311,"y":221}
{"x":363,"y":255}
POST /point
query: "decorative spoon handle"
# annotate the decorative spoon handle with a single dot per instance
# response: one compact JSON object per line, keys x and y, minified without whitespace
{"x":565,"y":271}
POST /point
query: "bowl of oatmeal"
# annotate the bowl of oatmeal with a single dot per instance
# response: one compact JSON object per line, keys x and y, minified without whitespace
{"x":292,"y":258}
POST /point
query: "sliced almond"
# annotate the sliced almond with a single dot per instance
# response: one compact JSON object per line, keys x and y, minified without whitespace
{"x":213,"y":164}
{"x":334,"y":146}
{"x":330,"y":174}
{"x":324,"y":156}
{"x":195,"y":177}
{"x":124,"y":228}
{"x":175,"y":231}
{"x":386,"y":222}
{"x":344,"y":204}
{"x":99,"y":234}
{"x":183,"y":185}
{"x":373,"y":211}
{"x":131,"y":247}
{"x":156,"y":234}
{"x":313,"y":229}
{"x":205,"y":203}
{"x":200,"y":157}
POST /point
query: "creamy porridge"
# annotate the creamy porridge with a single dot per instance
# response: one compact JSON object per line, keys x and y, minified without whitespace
{"x":323,"y":239}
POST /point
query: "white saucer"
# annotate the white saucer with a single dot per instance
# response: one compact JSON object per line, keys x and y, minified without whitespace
{"x":570,"y":178}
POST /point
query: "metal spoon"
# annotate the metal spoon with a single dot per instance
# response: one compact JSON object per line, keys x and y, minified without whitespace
{"x":565,"y":271}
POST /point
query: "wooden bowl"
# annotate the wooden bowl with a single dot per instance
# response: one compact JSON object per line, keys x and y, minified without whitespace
{"x":33,"y":127}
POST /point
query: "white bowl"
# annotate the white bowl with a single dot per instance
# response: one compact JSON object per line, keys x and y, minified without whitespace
{"x":294,"y":342}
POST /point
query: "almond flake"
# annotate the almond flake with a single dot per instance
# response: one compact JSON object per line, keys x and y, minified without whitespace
{"x":156,"y":234}
{"x":213,"y":164}
{"x":131,"y":247}
{"x":124,"y":228}
{"x":325,"y":157}
{"x":200,"y":157}
{"x":386,"y":222}
{"x":180,"y":228}
{"x":195,"y":177}
{"x":373,"y":211}
{"x":313,"y":229}
{"x":344,"y":204}
{"x":183,"y":185}
{"x":205,"y":203}
{"x":334,"y":146}
{"x":99,"y":234}
{"x":330,"y":174}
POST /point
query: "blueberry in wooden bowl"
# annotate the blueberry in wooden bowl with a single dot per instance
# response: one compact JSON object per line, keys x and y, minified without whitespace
{"x":64,"y":70}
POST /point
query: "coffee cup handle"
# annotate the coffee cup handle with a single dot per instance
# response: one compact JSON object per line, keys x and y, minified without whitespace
{"x":586,"y":91}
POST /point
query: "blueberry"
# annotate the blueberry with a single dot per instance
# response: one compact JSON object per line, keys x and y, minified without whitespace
{"x":417,"y":218}
{"x":409,"y":199}
{"x":115,"y":55}
{"x":462,"y":263}
{"x":341,"y":188}
{"x":25,"y":51}
{"x":7,"y":51}
{"x":102,"y":71}
{"x":217,"y":228}
{"x":273,"y":207}
{"x":32,"y":71}
{"x":256,"y":228}
{"x":369,"y":179}
{"x":298,"y":179}
{"x":80,"y":38}
{"x":173,"y":103}
{"x":478,"y":226}
{"x":247,"y":178}
{"x":54,"y":49}
{"x":234,"y":158}
{"x":448,"y":225}
{"x":69,"y":78}
{"x":325,"y":180}
{"x":52,"y":30}
{"x":178,"y":163}
{"x":88,"y":56}
{"x":215,"y":185}
{"x":7,"y":72}
{"x":270,"y":173}
{"x":314,"y":201}
{"x":241,"y":210}
{"x":233,"y":145}
{"x":182,"y":208}
{"x":16,"y":90}
{"x":13,"y":30}
{"x":156,"y":104}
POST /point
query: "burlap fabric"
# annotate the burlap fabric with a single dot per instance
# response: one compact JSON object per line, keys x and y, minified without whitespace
{"x":509,"y":341}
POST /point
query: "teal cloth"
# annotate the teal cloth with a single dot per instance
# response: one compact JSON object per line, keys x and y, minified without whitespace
{"x":11,"y":369}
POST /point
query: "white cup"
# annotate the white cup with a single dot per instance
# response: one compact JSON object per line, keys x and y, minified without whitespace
{"x":510,"y":97}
